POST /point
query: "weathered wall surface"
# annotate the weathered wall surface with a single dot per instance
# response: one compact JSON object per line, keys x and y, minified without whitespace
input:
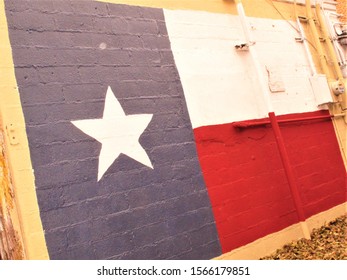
{"x":11,"y":247}
{"x":65,"y":59}
{"x":130,"y":116}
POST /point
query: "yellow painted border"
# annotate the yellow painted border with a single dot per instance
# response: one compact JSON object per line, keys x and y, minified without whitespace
{"x":215,"y":6}
{"x":258,"y":8}
{"x":267,"y":245}
{"x":17,"y":150}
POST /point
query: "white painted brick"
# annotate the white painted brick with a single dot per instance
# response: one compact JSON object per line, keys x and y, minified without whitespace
{"x":219,"y":82}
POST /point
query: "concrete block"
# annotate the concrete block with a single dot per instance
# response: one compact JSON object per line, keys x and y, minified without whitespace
{"x":137,"y":27}
{"x":58,"y":238}
{"x":113,"y":245}
{"x":174,"y":247}
{"x":63,"y":217}
{"x":65,"y":173}
{"x":189,"y":221}
{"x":40,"y":93}
{"x":150,"y":234}
{"x":155,"y":42}
{"x":31,"y":20}
{"x":51,"y":199}
{"x":80,"y":92}
{"x":79,"y":234}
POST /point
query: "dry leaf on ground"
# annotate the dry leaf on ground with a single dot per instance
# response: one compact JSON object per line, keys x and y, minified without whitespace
{"x":327,"y":243}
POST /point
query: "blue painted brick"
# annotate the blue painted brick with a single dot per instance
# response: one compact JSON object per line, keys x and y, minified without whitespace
{"x":156,"y":42}
{"x":113,"y":245}
{"x":142,"y":27}
{"x":79,"y":252}
{"x":51,"y":199}
{"x":75,"y":171}
{"x":199,"y":253}
{"x":95,"y":8}
{"x":58,"y":238}
{"x":52,"y":113}
{"x":63,"y":217}
{"x":82,"y":191}
{"x":80,"y":233}
{"x":29,"y":56}
{"x":28,"y":75}
{"x":150,"y":234}
{"x":192,"y":220}
{"x":162,"y":27}
{"x":174,"y":246}
{"x":58,"y":74}
{"x":55,"y":132}
{"x":90,"y":91}
{"x":109,"y":57}
{"x":73,"y":22}
{"x":24,"y":6}
{"x":41,"y":93}
{"x":31,"y":20}
{"x":105,"y":205}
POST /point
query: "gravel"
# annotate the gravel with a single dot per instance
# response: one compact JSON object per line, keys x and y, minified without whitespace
{"x":327,"y":243}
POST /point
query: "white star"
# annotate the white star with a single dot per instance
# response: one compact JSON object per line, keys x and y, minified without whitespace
{"x":117,"y":133}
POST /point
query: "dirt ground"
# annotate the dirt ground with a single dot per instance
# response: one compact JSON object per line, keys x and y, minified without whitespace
{"x":327,"y":243}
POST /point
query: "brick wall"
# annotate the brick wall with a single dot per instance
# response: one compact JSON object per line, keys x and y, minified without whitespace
{"x":247,"y":184}
{"x":66,"y":55}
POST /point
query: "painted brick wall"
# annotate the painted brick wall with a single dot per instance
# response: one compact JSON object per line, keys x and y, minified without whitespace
{"x":205,"y":41}
{"x":247,"y":184}
{"x":242,"y":168}
{"x":66,"y":54}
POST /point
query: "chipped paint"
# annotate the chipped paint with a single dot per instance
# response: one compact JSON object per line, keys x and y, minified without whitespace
{"x":10,"y":243}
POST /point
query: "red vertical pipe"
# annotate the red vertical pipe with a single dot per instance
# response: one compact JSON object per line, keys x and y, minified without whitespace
{"x":287,"y":167}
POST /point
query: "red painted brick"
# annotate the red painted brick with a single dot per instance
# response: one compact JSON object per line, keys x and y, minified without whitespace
{"x":246,"y":181}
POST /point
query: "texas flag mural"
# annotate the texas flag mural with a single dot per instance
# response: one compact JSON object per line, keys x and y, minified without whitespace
{"x":129,"y":114}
